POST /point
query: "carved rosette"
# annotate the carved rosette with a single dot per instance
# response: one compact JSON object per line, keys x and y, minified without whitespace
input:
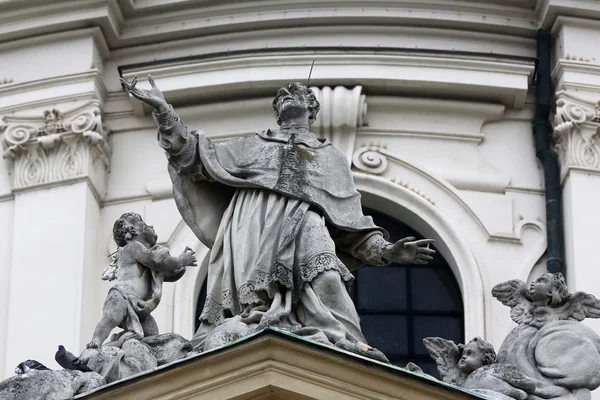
{"x":342,"y":112}
{"x":57,"y":147}
{"x":576,"y":125}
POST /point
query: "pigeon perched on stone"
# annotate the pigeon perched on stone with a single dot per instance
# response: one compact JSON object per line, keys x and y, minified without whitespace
{"x":30,"y":365}
{"x":68,"y":360}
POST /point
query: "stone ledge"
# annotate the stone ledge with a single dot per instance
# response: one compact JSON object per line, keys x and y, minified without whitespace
{"x":273,"y":364}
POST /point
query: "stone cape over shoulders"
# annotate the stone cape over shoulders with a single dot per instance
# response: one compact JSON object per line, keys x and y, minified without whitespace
{"x":306,"y":168}
{"x":269,"y":162}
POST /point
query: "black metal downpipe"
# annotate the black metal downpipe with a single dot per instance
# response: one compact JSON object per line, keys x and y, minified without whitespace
{"x":543,"y":151}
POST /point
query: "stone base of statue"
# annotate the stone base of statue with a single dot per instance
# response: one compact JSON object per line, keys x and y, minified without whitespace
{"x":233,"y":329}
{"x":274,"y":364}
{"x":49,"y":385}
{"x":134,"y":356}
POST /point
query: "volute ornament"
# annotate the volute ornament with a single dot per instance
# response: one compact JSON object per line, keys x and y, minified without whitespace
{"x":576,"y":124}
{"x":57,"y":147}
{"x":369,"y":159}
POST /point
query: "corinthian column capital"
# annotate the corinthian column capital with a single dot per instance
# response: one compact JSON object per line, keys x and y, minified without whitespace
{"x":57,"y":147}
{"x":576,"y":124}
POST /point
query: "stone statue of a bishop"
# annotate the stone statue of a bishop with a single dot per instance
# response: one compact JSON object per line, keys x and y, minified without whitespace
{"x":283,"y":220}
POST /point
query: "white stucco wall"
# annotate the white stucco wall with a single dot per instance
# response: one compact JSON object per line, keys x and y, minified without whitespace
{"x":448,"y":109}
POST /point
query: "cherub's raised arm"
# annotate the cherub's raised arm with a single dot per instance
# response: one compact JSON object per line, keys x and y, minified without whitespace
{"x":159,"y":259}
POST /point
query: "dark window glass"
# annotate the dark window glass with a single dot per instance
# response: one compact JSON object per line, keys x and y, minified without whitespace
{"x":401,"y":304}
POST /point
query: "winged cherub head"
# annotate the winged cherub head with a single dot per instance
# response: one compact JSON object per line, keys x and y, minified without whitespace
{"x":476,"y":354}
{"x":549,"y":289}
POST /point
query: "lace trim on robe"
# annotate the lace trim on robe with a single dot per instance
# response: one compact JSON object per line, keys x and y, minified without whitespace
{"x":213,"y":310}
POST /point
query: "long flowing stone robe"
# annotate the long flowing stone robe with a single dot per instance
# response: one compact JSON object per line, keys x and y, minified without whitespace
{"x":280,"y":212}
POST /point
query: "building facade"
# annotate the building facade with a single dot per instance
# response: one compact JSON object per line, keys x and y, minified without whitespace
{"x":432,"y":102}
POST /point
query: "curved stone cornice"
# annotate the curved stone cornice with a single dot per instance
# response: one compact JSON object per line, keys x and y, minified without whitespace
{"x":129,"y":22}
{"x":492,"y":81}
{"x":58,"y":147}
{"x":576,"y":124}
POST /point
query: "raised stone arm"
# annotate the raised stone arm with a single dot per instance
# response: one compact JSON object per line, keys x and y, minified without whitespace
{"x":152,"y":97}
{"x":173,"y":136}
{"x":161,"y":261}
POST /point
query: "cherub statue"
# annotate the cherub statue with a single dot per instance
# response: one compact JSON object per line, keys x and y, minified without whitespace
{"x":140,"y":267}
{"x":547,"y":299}
{"x":472,"y":366}
{"x":456,"y":362}
{"x":550,"y":344}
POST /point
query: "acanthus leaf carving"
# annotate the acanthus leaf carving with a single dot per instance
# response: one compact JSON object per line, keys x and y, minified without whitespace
{"x":57,"y":147}
{"x":576,"y":125}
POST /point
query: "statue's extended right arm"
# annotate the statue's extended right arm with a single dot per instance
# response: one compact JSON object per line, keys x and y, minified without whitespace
{"x":173,"y":136}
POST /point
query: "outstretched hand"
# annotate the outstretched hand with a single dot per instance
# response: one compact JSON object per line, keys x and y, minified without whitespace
{"x":153,"y":97}
{"x":409,"y":250}
{"x":187,"y":258}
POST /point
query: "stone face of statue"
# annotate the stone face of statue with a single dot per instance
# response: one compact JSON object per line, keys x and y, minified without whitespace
{"x":295,"y":103}
{"x":472,"y":358}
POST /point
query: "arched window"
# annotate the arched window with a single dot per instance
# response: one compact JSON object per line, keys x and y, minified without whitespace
{"x":401,"y":304}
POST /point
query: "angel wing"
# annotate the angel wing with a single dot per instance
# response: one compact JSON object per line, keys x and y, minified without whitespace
{"x":110,"y":272}
{"x":579,"y":307}
{"x":512,"y":294}
{"x":446,"y":355}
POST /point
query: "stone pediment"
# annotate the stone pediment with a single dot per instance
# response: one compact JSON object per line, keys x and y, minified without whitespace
{"x":274,"y":364}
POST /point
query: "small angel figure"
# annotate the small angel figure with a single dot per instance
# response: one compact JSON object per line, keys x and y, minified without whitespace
{"x":550,"y":343}
{"x":472,"y":366}
{"x":456,"y":362}
{"x":547,"y":299}
{"x":140,"y":267}
{"x":110,"y":272}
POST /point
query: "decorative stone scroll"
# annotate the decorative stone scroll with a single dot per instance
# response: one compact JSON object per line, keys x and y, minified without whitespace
{"x":57,"y":147}
{"x":342,"y":112}
{"x":370,"y":159}
{"x":576,"y":124}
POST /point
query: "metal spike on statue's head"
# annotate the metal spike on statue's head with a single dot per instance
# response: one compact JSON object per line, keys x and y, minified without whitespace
{"x":310,"y":73}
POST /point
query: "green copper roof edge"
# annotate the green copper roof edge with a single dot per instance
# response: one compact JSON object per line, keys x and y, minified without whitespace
{"x":281,"y":332}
